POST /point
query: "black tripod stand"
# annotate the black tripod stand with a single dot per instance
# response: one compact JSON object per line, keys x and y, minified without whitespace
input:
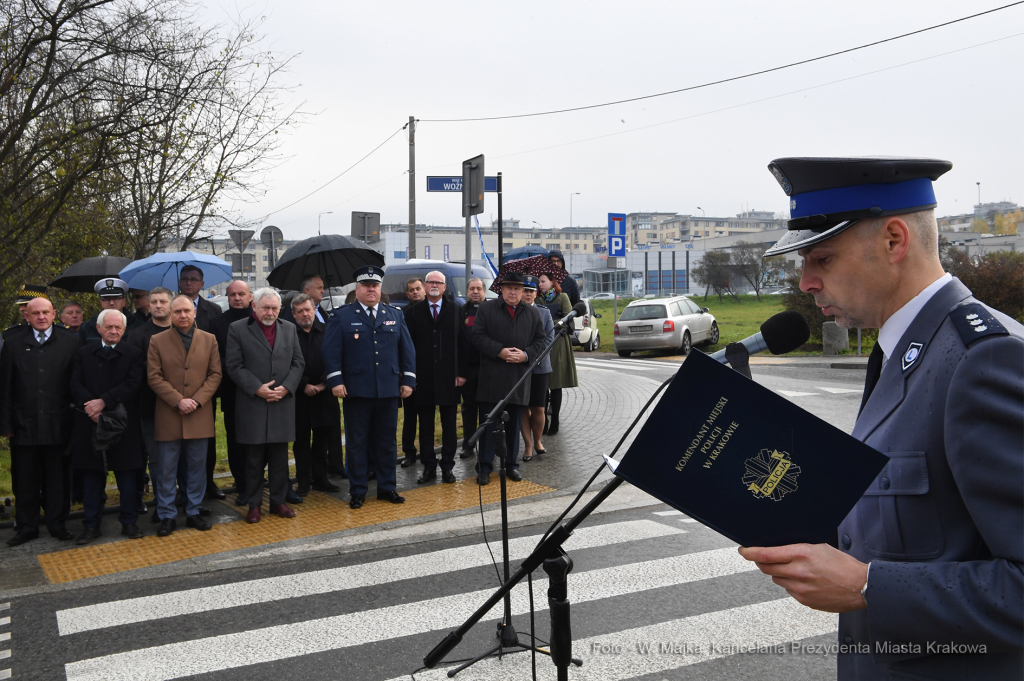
{"x":508,"y":640}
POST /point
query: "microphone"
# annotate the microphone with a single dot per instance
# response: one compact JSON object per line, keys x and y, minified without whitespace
{"x":785,"y":332}
{"x":580,"y":309}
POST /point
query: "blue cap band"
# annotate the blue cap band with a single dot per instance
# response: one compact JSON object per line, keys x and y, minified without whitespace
{"x":886,"y":197}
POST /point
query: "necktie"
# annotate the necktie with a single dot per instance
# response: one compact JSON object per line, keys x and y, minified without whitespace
{"x":874,"y":371}
{"x":40,"y":337}
{"x":373,"y":319}
{"x":512,"y":312}
{"x":434,"y":306}
{"x":106,"y":351}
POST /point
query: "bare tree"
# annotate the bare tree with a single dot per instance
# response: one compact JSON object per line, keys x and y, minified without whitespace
{"x":748,"y":261}
{"x":713,"y":271}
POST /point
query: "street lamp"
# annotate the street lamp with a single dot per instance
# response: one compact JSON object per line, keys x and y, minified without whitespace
{"x":330,"y":212}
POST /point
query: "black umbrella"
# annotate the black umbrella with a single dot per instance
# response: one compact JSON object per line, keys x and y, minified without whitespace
{"x":332,"y":257}
{"x":83,"y":275}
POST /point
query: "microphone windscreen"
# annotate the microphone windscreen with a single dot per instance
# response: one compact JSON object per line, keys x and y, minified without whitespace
{"x":785,"y":332}
{"x":580,"y":309}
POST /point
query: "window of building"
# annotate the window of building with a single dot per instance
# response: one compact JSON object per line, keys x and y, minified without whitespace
{"x":265,"y":258}
{"x":584,"y":247}
{"x":551,"y":247}
{"x":506,"y":244}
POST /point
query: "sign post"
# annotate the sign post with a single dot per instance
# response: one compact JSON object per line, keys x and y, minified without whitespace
{"x":472,"y":202}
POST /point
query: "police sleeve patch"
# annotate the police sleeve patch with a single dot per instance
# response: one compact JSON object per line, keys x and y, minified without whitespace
{"x":974,"y":321}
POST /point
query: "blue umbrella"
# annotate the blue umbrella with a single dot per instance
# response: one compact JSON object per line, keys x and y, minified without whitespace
{"x":163,"y":269}
{"x":523,"y":252}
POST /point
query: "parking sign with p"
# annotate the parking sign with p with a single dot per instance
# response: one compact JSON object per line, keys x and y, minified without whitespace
{"x":616,"y":235}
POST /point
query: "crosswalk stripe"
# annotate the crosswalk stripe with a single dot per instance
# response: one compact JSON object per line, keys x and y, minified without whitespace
{"x":839,"y":391}
{"x":4,"y":621}
{"x":146,"y":608}
{"x":611,"y":364}
{"x":5,"y":673}
{"x":687,"y":641}
{"x":228,"y":651}
{"x":668,"y":513}
{"x":4,"y":654}
{"x":795,"y":393}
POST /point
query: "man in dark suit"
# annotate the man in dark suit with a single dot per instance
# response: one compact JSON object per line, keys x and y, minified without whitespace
{"x":113,"y":295}
{"x":371,"y":363}
{"x":475,"y":296}
{"x":434,"y":327}
{"x":414,"y":293}
{"x":928,"y":571}
{"x":190,"y":283}
{"x":316,"y":409}
{"x":35,"y":376}
{"x":105,"y":376}
{"x":239,"y":307}
{"x":507,"y":333}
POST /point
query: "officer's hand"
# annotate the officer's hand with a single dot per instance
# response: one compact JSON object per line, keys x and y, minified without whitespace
{"x":405,"y":391}
{"x":506,"y":354}
{"x":264,"y":392}
{"x":93,"y":408}
{"x":459,"y":381}
{"x":310,"y":390}
{"x":816,"y":575}
{"x":339,"y":391}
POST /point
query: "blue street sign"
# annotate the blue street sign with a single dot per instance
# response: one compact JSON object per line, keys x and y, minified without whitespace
{"x":454,"y":184}
{"x":446,"y":252}
{"x":426,"y":252}
{"x":616,"y":235}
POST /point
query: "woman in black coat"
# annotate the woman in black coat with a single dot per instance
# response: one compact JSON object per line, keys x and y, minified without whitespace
{"x":314,"y":414}
{"x":114,"y":375}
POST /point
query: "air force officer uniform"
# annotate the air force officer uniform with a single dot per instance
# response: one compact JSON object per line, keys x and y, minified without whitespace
{"x":368,"y":350}
{"x":942,"y":526}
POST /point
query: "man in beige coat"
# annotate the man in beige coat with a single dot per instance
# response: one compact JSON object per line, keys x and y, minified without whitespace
{"x":184,"y":372}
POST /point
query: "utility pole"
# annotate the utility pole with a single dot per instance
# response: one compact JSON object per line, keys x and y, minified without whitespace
{"x":412,"y":187}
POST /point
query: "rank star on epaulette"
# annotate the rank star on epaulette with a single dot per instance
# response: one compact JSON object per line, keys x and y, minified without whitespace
{"x":911,"y":355}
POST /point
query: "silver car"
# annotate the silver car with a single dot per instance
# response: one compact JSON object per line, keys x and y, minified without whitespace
{"x":664,"y":324}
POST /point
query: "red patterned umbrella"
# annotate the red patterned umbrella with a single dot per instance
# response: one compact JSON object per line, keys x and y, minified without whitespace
{"x":536,"y":265}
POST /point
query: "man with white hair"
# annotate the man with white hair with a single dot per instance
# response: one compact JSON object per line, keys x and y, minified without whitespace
{"x":105,"y":380}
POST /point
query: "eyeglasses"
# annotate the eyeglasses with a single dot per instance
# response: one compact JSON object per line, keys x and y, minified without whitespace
{"x":435,"y":283}
{"x":190,"y":280}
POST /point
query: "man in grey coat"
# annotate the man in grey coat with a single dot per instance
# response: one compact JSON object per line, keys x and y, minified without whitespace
{"x":265,"y":361}
{"x":928,"y":571}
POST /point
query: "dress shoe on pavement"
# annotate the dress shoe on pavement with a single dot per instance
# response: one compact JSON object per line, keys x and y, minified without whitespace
{"x":553,"y":428}
{"x":198,"y":522}
{"x":142,"y":509}
{"x":291,"y":497}
{"x":242,"y":499}
{"x":214,"y":492}
{"x":327,"y":487}
{"x":392,"y":496}
{"x":483,"y":479}
{"x":253,"y":516}
{"x":303,"y":490}
{"x":167,"y":526}
{"x":155,"y":518}
{"x":467,"y":453}
{"x":447,"y":476}
{"x":62,"y":533}
{"x":409,"y":460}
{"x":514,"y":474}
{"x":356,"y":501}
{"x":426,"y":477}
{"x":88,"y":534}
{"x":283,"y":511}
{"x":132,"y":531}
{"x":205,"y":512}
{"x":22,"y":538}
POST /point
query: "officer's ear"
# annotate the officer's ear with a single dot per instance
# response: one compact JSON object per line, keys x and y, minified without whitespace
{"x":896,"y":234}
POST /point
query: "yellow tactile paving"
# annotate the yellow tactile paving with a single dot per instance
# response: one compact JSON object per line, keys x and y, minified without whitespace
{"x":320,"y":514}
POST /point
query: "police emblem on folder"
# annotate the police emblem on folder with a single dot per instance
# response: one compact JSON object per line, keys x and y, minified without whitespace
{"x":745,"y":461}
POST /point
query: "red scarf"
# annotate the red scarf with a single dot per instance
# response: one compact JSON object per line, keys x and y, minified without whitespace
{"x":269,"y":331}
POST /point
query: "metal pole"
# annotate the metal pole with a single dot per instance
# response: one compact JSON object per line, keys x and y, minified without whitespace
{"x":501,"y":226}
{"x":660,"y":282}
{"x":687,"y":272}
{"x":412,"y":187}
{"x":858,"y":341}
{"x":469,"y":252}
{"x":673,"y":272}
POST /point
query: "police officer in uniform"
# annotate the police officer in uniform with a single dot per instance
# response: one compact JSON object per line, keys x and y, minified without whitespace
{"x":370,"y":362}
{"x":928,"y":571}
{"x":26,"y":294}
{"x":113,"y":294}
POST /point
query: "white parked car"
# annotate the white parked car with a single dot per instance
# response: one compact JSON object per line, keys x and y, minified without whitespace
{"x":603,"y":296}
{"x":664,"y":324}
{"x":584,"y":331}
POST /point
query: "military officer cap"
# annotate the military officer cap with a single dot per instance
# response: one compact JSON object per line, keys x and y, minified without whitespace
{"x":30,"y":292}
{"x":369,"y":274}
{"x":111,"y":288}
{"x":827,"y":196}
{"x":530,"y":282}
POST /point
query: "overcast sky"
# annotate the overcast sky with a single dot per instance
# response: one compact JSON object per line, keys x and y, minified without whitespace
{"x":365,"y":67}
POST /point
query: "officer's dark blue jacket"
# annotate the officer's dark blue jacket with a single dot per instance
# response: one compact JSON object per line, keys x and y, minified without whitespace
{"x":369,"y":362}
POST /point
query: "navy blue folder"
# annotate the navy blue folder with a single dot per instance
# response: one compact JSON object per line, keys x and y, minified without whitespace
{"x":746,"y":462}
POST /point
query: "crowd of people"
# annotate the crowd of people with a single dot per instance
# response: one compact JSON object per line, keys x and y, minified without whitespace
{"x":143,"y":385}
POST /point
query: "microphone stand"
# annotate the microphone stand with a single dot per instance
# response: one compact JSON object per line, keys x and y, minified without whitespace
{"x":506,"y":633}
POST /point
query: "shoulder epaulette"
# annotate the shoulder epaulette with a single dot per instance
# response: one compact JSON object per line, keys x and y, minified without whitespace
{"x":975,"y":321}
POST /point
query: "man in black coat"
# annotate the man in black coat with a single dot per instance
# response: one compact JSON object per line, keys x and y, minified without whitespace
{"x":475,"y":296}
{"x":316,"y":409}
{"x":113,"y":295}
{"x":239,"y":307}
{"x":440,"y":371}
{"x":568,"y":284}
{"x":414,"y":293}
{"x":35,"y":371}
{"x":104,"y":376}
{"x":508,"y":334}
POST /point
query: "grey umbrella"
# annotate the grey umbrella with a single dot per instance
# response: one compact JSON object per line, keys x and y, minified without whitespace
{"x":83,"y":275}
{"x":332,"y":257}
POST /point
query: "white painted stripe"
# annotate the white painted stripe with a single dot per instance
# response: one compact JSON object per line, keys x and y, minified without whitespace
{"x":4,"y":654}
{"x":4,"y":621}
{"x":687,"y":520}
{"x":617,"y":366}
{"x":6,"y":636}
{"x":145,"y":608}
{"x":668,"y":513}
{"x":709,"y":636}
{"x":794,"y":393}
{"x":5,"y":673}
{"x":5,"y":606}
{"x":839,"y":391}
{"x":215,"y":653}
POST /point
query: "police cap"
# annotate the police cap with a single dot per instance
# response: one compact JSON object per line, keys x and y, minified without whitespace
{"x":30,"y":292}
{"x":830,"y":195}
{"x":369,"y":274}
{"x":530,"y":282}
{"x":111,"y":288}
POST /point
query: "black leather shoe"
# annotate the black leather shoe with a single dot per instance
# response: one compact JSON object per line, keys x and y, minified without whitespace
{"x":447,"y":476}
{"x":326,"y":487}
{"x":514,"y":475}
{"x":214,"y":492}
{"x":337,"y":473}
{"x":242,"y":499}
{"x":142,"y":509}
{"x":62,"y":533}
{"x":409,"y":460}
{"x":303,"y":490}
{"x":356,"y":501}
{"x":205,"y":512}
{"x":426,"y":477}
{"x":131,"y":531}
{"x":291,"y":497}
{"x":167,"y":526}
{"x":483,"y":479}
{"x":392,"y":496}
{"x":467,"y":453}
{"x":155,"y":518}
{"x":88,"y":534}
{"x":198,"y":522}
{"x":553,"y":428}
{"x":22,"y":538}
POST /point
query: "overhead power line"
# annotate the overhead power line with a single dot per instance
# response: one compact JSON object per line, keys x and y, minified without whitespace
{"x":724,"y":80}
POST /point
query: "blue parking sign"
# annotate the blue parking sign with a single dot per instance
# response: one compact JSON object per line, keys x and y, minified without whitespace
{"x":616,"y":235}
